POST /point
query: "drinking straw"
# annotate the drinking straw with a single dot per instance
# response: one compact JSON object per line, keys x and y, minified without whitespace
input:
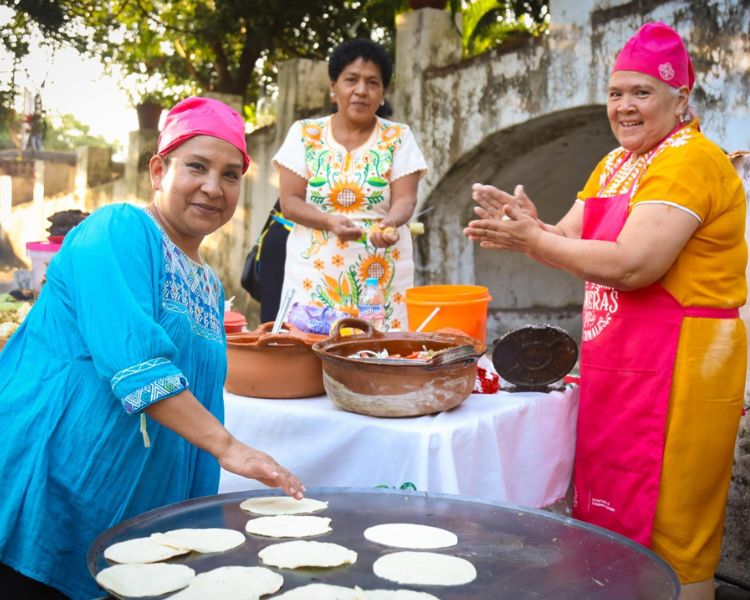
{"x":428,"y":319}
{"x":286,"y":304}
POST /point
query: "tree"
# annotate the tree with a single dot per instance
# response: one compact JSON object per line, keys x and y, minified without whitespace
{"x":490,"y":23}
{"x":171,"y":49}
{"x":66,"y":132}
{"x":228,"y":46}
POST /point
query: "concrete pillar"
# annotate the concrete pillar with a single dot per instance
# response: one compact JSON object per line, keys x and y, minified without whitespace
{"x":141,"y":147}
{"x":425,"y":38}
{"x":93,"y":166}
{"x":6,"y":201}
{"x":233,"y":100}
{"x":304,"y":89}
{"x":37,"y":202}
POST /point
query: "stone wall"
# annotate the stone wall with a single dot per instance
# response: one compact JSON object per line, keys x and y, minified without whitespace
{"x":534,"y":114}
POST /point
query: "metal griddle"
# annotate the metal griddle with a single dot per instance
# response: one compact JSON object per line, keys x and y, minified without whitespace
{"x":518,"y":553}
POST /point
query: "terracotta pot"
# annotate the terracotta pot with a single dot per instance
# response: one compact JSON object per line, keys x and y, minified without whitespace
{"x":273,"y":365}
{"x":385,"y":388}
{"x":149,"y":114}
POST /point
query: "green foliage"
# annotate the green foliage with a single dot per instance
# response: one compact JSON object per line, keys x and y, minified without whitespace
{"x":68,"y":133}
{"x":169,"y":50}
{"x":488,"y":24}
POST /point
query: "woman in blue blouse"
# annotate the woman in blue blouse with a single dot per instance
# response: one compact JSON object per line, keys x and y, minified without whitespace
{"x":111,"y":390}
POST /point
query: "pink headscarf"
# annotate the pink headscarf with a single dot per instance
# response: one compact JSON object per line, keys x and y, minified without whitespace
{"x":657,"y":50}
{"x":203,"y":116}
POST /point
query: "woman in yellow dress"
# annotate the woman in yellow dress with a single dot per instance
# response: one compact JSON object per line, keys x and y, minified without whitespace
{"x":349,"y":183}
{"x":658,"y":235}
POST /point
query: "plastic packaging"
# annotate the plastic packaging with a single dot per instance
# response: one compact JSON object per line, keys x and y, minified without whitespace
{"x":314,"y":319}
{"x":372,"y":304}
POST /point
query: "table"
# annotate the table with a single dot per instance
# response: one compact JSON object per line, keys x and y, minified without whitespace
{"x":516,"y":448}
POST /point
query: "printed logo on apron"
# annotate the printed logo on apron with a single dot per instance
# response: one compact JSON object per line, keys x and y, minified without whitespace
{"x":599,"y":306}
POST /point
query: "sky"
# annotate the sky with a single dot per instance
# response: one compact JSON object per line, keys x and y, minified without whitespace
{"x":74,"y":84}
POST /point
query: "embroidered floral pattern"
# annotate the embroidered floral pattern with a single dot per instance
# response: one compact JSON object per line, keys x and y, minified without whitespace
{"x":153,"y":392}
{"x":631,"y":171}
{"x":355,"y":184}
{"x":192,"y":290}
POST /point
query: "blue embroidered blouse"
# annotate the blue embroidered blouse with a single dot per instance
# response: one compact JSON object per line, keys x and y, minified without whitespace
{"x":124,"y":320}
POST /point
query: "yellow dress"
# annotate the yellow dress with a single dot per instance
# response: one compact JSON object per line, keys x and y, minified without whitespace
{"x":693,"y":174}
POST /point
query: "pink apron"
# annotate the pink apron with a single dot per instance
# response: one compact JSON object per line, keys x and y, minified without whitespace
{"x":628,"y":350}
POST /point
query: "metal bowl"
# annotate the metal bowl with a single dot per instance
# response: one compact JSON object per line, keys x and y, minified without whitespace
{"x":383,"y":387}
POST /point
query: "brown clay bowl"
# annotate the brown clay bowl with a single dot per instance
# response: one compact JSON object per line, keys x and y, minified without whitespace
{"x":388,"y":388}
{"x":273,"y":365}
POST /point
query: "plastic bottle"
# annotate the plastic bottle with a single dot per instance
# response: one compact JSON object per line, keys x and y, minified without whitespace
{"x":372,"y":304}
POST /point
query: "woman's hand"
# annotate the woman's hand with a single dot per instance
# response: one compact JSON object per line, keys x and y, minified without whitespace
{"x":249,"y":462}
{"x":344,"y":229}
{"x":492,"y":201}
{"x":518,"y":232}
{"x":384,"y":234}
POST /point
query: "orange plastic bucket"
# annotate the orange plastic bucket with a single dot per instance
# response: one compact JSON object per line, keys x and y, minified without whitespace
{"x":461,"y":306}
{"x":447,"y":292}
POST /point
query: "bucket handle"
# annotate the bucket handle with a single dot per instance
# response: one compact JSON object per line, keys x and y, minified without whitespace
{"x":354,"y":323}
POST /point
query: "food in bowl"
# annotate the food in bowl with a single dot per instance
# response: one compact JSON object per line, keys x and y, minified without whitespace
{"x":361,"y":374}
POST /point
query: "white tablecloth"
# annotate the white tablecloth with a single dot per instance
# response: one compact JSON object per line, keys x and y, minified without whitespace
{"x":516,"y":448}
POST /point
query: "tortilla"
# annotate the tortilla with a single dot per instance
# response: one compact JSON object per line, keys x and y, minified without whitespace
{"x":232,"y":583}
{"x":201,"y":540}
{"x":301,"y":553}
{"x":288,"y":526}
{"x":282,"y":505}
{"x":424,"y":568}
{"x":322,"y":591}
{"x":411,"y":535}
{"x":137,"y":581}
{"x":141,"y":550}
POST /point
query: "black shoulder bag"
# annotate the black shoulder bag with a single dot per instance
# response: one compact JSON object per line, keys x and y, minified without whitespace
{"x":250,"y":279}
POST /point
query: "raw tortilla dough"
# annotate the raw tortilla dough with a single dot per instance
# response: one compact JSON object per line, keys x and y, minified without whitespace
{"x":232,"y":583}
{"x":398,"y":595}
{"x":301,"y":553}
{"x":411,"y":535}
{"x":141,"y":550}
{"x":323,"y":591}
{"x":201,"y":540}
{"x":282,"y":505}
{"x":288,"y":526}
{"x":424,"y":568}
{"x":137,"y":581}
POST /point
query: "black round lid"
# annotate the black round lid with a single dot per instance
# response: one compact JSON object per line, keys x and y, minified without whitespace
{"x":535,"y":356}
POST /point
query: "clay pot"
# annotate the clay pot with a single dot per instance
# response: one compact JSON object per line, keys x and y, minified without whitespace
{"x":273,"y":365}
{"x":149,"y":114}
{"x":387,"y":388}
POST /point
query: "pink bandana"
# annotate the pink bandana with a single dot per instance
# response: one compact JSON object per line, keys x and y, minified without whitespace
{"x":657,"y":50}
{"x":203,"y":116}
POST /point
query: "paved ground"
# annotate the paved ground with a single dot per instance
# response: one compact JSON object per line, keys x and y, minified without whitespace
{"x":725,"y":591}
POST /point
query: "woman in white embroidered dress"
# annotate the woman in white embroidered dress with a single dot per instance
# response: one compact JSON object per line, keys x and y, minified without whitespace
{"x":111,"y":390}
{"x":349,"y":183}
